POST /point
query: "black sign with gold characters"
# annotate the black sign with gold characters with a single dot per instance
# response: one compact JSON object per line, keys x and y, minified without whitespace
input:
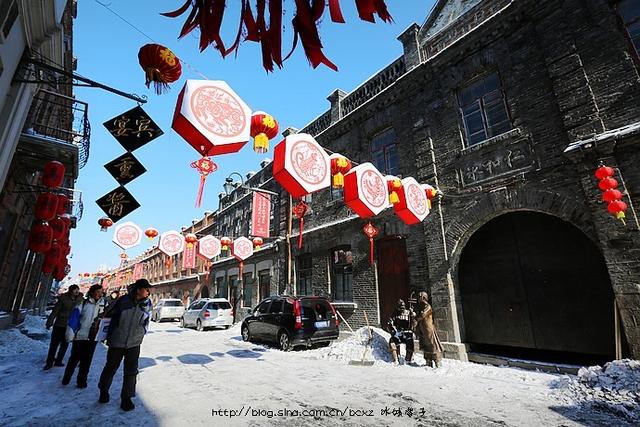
{"x":125,"y":168}
{"x":118,"y":203}
{"x":133,"y":129}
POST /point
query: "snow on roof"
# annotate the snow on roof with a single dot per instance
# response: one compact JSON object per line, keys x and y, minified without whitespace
{"x":614,"y":134}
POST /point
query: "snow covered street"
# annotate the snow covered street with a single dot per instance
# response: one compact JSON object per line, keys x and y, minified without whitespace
{"x":213,"y":378}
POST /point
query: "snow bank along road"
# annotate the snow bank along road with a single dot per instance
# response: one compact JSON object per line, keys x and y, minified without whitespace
{"x":213,"y":378}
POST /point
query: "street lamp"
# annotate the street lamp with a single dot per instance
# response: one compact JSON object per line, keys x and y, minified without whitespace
{"x":229,"y":185}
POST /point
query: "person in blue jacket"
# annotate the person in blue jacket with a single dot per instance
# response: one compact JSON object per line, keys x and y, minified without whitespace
{"x":129,"y":322}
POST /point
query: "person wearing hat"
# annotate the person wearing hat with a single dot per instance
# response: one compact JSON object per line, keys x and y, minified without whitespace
{"x":82,"y":330}
{"x":129,"y":321}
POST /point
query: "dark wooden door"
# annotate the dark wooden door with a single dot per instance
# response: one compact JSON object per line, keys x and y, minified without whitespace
{"x":393,"y":274}
{"x":534,"y":281}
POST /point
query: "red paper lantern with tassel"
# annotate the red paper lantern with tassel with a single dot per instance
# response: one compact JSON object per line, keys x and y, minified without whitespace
{"x":299,"y":210}
{"x":160,"y":66}
{"x":151,"y":233}
{"x":225,"y":242}
{"x":204,"y":166}
{"x":63,"y":204}
{"x":53,"y":174}
{"x":604,"y":172}
{"x":263,"y":128}
{"x":40,"y":238}
{"x":617,"y":208}
{"x":257,"y":243}
{"x":46,"y":206}
{"x":105,"y":222}
{"x":190,"y":239}
{"x":394,"y":184}
{"x":371,"y":231}
{"x":340,"y":165}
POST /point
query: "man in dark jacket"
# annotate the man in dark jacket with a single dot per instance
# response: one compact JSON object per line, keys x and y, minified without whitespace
{"x":399,"y":326}
{"x":59,"y":318}
{"x":129,"y":321}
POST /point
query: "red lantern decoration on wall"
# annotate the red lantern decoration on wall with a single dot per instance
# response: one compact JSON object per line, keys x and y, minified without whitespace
{"x":53,"y":174}
{"x":105,"y":222}
{"x":204,"y":166}
{"x":371,"y":231}
{"x":46,"y":206}
{"x":40,"y":238}
{"x":151,"y":233}
{"x":190,"y":239}
{"x":257,"y":243}
{"x":299,"y":210}
{"x":47,"y":268}
{"x":431,"y":193}
{"x":59,"y":228}
{"x":160,"y":65}
{"x":53,"y":255}
{"x":263,"y":128}
{"x":617,"y":208}
{"x":225,"y":242}
{"x":608,"y":183}
{"x":610,"y":194}
{"x":63,"y":204}
{"x":340,"y":165}
{"x":604,"y":172}
{"x":394,"y":184}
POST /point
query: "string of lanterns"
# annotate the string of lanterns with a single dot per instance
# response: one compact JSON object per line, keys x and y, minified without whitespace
{"x":610,"y":194}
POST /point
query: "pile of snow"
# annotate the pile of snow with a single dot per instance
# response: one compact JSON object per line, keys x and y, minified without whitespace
{"x":614,"y":388}
{"x":35,"y":324}
{"x":13,"y":342}
{"x":353,"y":348}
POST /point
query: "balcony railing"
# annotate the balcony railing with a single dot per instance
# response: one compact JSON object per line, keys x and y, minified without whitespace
{"x":60,"y":118}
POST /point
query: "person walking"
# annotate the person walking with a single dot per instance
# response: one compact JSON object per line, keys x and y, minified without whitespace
{"x":129,"y":321}
{"x":111,"y":300}
{"x":426,"y":332}
{"x":84,"y":323}
{"x":59,"y":318}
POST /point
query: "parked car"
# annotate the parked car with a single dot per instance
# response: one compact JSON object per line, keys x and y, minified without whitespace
{"x":208,"y":312}
{"x":292,"y":321}
{"x":167,"y":308}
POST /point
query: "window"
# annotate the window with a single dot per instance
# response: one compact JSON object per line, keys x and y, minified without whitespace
{"x":264,"y":307}
{"x":172,"y":304}
{"x":220,"y":287}
{"x":247,"y":289}
{"x":342,"y":274}
{"x":265,"y":284}
{"x":305,"y":273}
{"x":483,"y":109}
{"x":222,"y":305}
{"x":276,"y":306}
{"x":630,"y":12}
{"x":8,"y":15}
{"x":384,"y":152}
{"x":197,"y":305}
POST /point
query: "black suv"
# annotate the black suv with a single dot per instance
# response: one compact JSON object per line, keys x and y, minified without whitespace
{"x":292,"y":321}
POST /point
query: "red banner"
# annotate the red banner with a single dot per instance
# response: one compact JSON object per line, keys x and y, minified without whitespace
{"x":261,"y":214}
{"x":189,"y":256}
{"x":138,"y":271}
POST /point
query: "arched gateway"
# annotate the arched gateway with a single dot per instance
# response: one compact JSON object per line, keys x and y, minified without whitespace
{"x":532,"y":285}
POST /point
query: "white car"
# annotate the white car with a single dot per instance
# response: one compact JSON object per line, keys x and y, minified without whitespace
{"x":167,"y":308}
{"x":208,"y":312}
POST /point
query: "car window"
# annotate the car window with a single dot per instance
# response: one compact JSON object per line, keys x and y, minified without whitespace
{"x":317,"y":309}
{"x":288,"y":306}
{"x":172,"y":304}
{"x":263,"y":307}
{"x":224,"y":305}
{"x":276,"y":306}
{"x":197,"y":305}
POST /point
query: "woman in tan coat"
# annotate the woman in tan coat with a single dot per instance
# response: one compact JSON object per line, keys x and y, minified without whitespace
{"x":426,"y":332}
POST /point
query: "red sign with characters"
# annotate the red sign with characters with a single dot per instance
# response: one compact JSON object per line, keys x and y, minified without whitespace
{"x":171,"y":243}
{"x":127,"y":235}
{"x":242,"y":248}
{"x":413,"y":205}
{"x":189,"y":256}
{"x":365,"y":190}
{"x":261,"y":214}
{"x":301,"y":165}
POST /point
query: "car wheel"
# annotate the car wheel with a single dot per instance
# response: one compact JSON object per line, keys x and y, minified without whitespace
{"x":182,"y":324}
{"x":246,"y":335}
{"x":284,"y":341}
{"x":199,"y":326}
{"x":226,"y":326}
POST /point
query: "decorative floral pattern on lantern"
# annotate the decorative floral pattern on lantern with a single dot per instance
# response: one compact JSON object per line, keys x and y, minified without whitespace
{"x":371,"y":231}
{"x":171,"y":243}
{"x":211,"y":117}
{"x":160,"y":65}
{"x":257,"y":243}
{"x":127,"y":235}
{"x":46,"y":206}
{"x":365,"y":190}
{"x":190,"y":239}
{"x":225,"y":242}
{"x":53,"y":174}
{"x":105,"y":222}
{"x":204,"y":166}
{"x":263,"y":128}
{"x":301,"y":165}
{"x":209,"y":247}
{"x":151,"y":233}
{"x":40,"y":238}
{"x":394,"y":184}
{"x":299,"y":210}
{"x":340,"y":165}
{"x":241,"y":248}
{"x":413,"y":205}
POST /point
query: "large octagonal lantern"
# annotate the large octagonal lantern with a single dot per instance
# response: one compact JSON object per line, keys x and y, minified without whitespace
{"x":365,"y":190}
{"x":209,"y":247}
{"x":171,"y":243}
{"x":301,"y":165}
{"x":413,"y":205}
{"x":211,"y":117}
{"x":127,"y":235}
{"x":242,"y":248}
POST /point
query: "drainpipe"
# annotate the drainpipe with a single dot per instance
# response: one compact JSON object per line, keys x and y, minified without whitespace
{"x":436,"y":182}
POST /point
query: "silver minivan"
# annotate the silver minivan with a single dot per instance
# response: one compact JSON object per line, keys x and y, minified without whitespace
{"x":167,"y":308}
{"x":208,"y":312}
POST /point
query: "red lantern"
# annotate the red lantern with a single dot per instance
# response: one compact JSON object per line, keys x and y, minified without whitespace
{"x":46,"y":206}
{"x":604,"y":172}
{"x":263,"y":128}
{"x":204,"y":166}
{"x":365,"y":190}
{"x":257,"y":243}
{"x":617,"y":208}
{"x":299,"y":210}
{"x":87,"y":274}
{"x":371,"y":232}
{"x":190,"y":239}
{"x":413,"y":205}
{"x":104,"y":223}
{"x":225,"y":242}
{"x":339,"y":166}
{"x":53,"y":255}
{"x":608,"y":183}
{"x":63,"y":204}
{"x":151,"y":233}
{"x":430,"y":192}
{"x":40,"y":238}
{"x":611,"y":195}
{"x":394,"y":184}
{"x":59,"y":228}
{"x":53,"y":174}
{"x":160,"y":66}
{"x":47,"y":268}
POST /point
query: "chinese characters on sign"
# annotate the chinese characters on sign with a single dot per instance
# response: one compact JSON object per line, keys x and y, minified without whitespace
{"x":118,"y":203}
{"x":505,"y":161}
{"x":133,"y":129}
{"x":125,"y":168}
{"x":261,"y":214}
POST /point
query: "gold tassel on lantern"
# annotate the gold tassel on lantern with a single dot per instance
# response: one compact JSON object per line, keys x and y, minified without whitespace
{"x":261,"y":143}
{"x":338,"y":180}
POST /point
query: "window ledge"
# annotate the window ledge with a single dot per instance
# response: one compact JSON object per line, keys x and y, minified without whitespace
{"x":510,"y":135}
{"x":350,"y":304}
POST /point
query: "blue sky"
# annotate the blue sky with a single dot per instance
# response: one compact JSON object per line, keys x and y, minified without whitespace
{"x":107,"y":49}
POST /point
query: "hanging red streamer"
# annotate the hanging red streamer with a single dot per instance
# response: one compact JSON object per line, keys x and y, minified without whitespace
{"x":205,"y":166}
{"x":371,"y":231}
{"x":299,"y":210}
